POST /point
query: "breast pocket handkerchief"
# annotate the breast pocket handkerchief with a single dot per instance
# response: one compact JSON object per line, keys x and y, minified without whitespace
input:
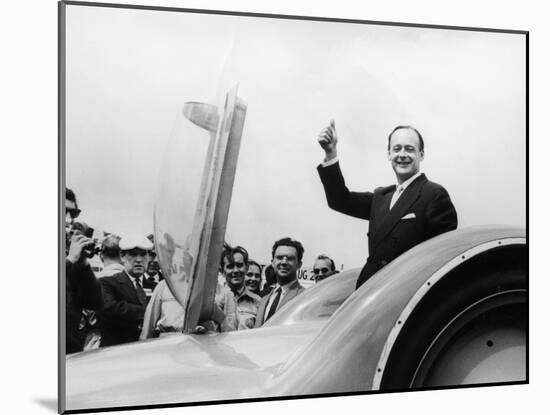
{"x":409,"y":216}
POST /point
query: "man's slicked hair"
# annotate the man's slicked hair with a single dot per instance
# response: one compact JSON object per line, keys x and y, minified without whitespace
{"x":69,"y":195}
{"x":407,"y":127}
{"x":289,"y":242}
{"x":228,"y":252}
{"x":110,"y":248}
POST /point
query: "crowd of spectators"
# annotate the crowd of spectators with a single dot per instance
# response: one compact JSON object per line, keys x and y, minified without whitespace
{"x":129,"y":300}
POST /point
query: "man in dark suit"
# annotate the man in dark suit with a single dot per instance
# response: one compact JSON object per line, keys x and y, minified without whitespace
{"x":152,"y":275}
{"x":82,"y":290}
{"x":286,"y":261}
{"x":123,"y":296}
{"x":400,"y":216}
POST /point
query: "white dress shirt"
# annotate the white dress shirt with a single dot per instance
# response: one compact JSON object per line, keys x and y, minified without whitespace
{"x":330,"y":162}
{"x":155,"y":277}
{"x":140,"y":278}
{"x":284,"y":290}
{"x":400,"y":188}
{"x":110,"y":270}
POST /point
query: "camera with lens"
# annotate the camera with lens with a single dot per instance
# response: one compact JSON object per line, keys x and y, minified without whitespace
{"x":81,"y":228}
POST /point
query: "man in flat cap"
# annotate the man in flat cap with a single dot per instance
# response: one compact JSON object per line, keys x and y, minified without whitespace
{"x":123,"y":296}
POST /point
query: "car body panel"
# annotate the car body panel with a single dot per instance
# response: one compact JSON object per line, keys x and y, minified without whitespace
{"x":298,"y":353}
{"x":319,"y":301}
{"x":354,"y":338}
{"x":184,"y":368}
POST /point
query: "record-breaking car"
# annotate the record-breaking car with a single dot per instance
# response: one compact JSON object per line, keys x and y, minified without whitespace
{"x":450,"y":311}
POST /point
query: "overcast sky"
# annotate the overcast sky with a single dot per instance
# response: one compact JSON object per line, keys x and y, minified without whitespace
{"x":129,"y":73}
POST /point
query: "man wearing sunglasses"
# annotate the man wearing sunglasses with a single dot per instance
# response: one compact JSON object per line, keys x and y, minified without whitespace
{"x":81,"y":287}
{"x":323,"y":268}
{"x":124,"y":298}
{"x":71,"y":209}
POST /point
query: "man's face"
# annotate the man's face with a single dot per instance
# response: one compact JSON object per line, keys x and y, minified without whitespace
{"x":153,"y":267}
{"x":135,"y":261}
{"x":252,"y":278}
{"x":322,"y":269}
{"x":404,"y":153}
{"x":285,"y":264}
{"x":70,"y":214}
{"x":234,"y":269}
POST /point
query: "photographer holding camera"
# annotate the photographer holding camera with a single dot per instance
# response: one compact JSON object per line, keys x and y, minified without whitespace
{"x":82,"y":288}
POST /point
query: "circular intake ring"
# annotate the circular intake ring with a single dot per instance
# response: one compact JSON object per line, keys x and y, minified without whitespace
{"x":470,"y":329}
{"x":485,"y":343}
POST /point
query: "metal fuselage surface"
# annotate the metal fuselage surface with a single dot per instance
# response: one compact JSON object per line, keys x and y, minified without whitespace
{"x":184,"y":368}
{"x":302,"y":351}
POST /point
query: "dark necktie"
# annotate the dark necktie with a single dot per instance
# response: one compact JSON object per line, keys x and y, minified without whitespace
{"x":396,"y":195}
{"x":140,"y":293}
{"x":274,"y":304}
{"x":150,"y":283}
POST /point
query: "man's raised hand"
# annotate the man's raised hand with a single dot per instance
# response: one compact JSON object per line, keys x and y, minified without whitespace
{"x":78,"y":242}
{"x":328,"y":139}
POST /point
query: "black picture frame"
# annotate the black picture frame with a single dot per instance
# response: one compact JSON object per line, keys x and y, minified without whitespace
{"x":63,"y":138}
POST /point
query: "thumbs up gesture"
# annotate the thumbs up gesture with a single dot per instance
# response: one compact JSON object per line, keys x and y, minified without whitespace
{"x":328,"y":139}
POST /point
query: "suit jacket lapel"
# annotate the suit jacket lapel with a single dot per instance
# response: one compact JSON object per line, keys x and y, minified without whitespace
{"x":290,"y":294}
{"x":128,"y":287}
{"x":382,"y":209}
{"x":393,"y":216}
{"x":261,"y":309}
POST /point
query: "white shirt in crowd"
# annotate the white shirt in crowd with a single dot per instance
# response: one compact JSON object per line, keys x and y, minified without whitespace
{"x":110,"y":270}
{"x":284,"y":290}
